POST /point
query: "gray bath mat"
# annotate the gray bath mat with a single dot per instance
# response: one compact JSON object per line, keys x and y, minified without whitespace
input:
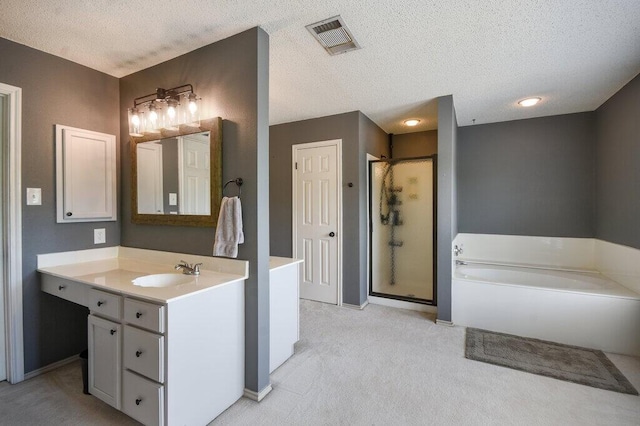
{"x":571,"y":363}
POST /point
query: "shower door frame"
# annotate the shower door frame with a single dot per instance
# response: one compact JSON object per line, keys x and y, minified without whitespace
{"x":434,"y":179}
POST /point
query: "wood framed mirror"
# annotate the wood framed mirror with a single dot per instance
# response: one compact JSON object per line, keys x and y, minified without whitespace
{"x":176,"y":175}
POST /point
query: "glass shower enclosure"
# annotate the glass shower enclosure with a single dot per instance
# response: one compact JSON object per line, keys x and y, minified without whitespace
{"x":401,"y":229}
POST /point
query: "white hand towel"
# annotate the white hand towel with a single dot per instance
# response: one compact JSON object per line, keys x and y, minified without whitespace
{"x":229,"y":230}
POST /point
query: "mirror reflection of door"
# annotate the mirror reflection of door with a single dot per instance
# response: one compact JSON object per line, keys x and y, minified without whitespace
{"x":150,"y":199}
{"x":194,"y":174}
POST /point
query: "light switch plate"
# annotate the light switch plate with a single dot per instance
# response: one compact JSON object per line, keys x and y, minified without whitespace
{"x":173,"y":199}
{"x":34,"y":196}
{"x":99,"y":236}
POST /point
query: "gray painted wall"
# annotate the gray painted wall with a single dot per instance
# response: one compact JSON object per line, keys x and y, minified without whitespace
{"x":54,"y":91}
{"x":374,"y":141}
{"x":282,"y":137}
{"x":231,"y":76}
{"x":618,"y":168}
{"x":447,"y":220}
{"x":528,"y":177}
{"x":417,"y":144}
{"x":358,"y":134}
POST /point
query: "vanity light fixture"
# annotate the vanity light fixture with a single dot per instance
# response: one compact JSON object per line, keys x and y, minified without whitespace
{"x":529,"y":102}
{"x":411,"y":122}
{"x":165,"y":109}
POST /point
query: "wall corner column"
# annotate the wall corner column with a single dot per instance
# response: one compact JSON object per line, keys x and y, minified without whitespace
{"x":257,"y":383}
{"x":447,"y":219}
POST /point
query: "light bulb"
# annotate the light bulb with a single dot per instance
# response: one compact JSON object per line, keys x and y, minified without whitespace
{"x":529,"y":102}
{"x":171,"y":112}
{"x":153,"y":115}
{"x":135,"y":120}
{"x":193,"y":106}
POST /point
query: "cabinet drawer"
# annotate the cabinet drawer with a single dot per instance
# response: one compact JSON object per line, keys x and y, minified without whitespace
{"x":142,"y":399}
{"x":105,"y":304}
{"x":68,"y":290}
{"x":144,"y":353}
{"x":144,"y":314}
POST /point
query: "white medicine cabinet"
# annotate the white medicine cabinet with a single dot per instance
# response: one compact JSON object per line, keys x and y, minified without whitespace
{"x":85,"y":175}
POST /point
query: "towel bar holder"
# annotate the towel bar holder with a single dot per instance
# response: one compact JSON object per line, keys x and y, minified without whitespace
{"x":238,"y":182}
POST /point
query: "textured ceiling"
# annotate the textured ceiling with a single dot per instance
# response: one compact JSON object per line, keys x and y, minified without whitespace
{"x":489,"y":54}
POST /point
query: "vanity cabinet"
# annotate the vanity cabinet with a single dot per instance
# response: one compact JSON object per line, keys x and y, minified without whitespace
{"x":65,"y":289}
{"x":143,"y":359}
{"x":105,"y":344}
{"x":180,"y":361}
{"x":284,"y":308}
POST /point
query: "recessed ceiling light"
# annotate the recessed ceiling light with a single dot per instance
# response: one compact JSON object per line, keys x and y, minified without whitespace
{"x":529,"y":102}
{"x":412,"y":122}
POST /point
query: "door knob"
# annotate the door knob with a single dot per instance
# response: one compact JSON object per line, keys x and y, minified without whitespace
{"x":332,"y":234}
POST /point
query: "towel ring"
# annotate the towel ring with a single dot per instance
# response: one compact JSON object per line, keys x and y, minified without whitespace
{"x":237,"y":181}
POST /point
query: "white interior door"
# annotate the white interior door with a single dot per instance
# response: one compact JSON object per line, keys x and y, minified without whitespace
{"x":150,"y":197}
{"x":195,"y":175}
{"x":317,"y":228}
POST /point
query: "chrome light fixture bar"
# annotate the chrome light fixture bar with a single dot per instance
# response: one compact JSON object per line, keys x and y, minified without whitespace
{"x":165,"y":109}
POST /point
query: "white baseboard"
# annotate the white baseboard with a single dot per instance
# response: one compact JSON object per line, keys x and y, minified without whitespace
{"x":359,"y":307}
{"x":50,"y":367}
{"x":401,"y":304}
{"x":445,"y":323}
{"x":257,"y":396}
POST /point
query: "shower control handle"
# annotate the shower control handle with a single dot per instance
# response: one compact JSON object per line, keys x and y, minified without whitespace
{"x":332,"y":234}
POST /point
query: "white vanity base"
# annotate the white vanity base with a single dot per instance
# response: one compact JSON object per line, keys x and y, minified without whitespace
{"x":162,"y":355}
{"x":284,"y":309}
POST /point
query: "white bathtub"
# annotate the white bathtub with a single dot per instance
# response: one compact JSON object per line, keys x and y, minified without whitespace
{"x":577,"y":308}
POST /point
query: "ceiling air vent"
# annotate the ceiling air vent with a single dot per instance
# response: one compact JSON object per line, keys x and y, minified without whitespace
{"x":333,"y":35}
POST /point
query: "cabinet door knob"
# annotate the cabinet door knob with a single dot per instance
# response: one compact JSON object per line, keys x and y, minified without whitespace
{"x":138,"y":314}
{"x":138,"y":401}
{"x":100,"y":303}
{"x":138,"y":353}
{"x":61,"y":287}
{"x":69,"y":213}
{"x":332,"y":234}
{"x":112,"y":331}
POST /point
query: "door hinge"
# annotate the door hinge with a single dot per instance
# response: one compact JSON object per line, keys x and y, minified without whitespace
{"x":296,"y":165}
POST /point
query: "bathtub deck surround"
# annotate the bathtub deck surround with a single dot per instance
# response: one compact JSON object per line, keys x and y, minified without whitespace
{"x":164,"y":355}
{"x":550,"y":289}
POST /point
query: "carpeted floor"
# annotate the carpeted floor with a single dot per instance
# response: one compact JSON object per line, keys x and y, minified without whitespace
{"x":585,"y":366}
{"x":379,"y":366}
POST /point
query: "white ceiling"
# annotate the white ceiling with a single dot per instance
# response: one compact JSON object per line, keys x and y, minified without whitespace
{"x":489,"y":54}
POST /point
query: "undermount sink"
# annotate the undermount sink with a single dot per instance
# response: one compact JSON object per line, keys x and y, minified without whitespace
{"x":162,"y":280}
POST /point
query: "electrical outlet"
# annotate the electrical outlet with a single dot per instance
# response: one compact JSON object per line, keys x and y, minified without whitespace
{"x":99,"y":236}
{"x":173,"y":199}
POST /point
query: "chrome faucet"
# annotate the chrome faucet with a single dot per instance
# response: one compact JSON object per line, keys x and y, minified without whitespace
{"x":188,"y":269}
{"x":457,"y":250}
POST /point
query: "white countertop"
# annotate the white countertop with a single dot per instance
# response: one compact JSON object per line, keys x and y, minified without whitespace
{"x":114,"y":269}
{"x":276,"y":262}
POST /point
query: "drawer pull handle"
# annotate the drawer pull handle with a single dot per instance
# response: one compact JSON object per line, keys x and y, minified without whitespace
{"x":138,"y":353}
{"x":112,"y":331}
{"x":138,"y":314}
{"x":100,"y":303}
{"x":61,"y":287}
{"x":138,"y":401}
